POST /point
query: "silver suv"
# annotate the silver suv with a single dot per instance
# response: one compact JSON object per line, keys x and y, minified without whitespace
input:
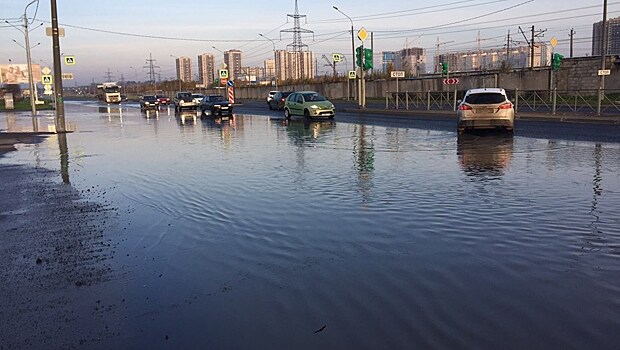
{"x":184,"y":100}
{"x":487,"y":108}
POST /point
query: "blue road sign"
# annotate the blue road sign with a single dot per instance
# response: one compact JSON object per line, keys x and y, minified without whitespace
{"x":230,"y":83}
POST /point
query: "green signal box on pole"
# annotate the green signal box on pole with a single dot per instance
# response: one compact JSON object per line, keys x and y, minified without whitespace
{"x":358,"y":56}
{"x":368,"y":59}
{"x":556,"y":61}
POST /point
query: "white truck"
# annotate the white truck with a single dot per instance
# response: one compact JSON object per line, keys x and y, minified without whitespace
{"x":109,"y":92}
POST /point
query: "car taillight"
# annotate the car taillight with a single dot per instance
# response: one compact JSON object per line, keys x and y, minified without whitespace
{"x":282,"y":100}
{"x":505,"y":106}
{"x":464,"y":108}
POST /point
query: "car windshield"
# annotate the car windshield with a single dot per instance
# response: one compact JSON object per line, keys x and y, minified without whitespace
{"x":216,"y":98}
{"x":185,"y":95}
{"x":485,"y":98}
{"x":313,"y":97}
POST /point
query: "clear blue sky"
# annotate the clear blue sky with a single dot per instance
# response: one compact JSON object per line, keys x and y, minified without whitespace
{"x":190,"y":28}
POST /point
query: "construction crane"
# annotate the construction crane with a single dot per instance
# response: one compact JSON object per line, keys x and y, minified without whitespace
{"x":331,"y":64}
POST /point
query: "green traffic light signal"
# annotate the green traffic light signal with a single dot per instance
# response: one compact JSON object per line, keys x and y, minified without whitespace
{"x":368,"y":59}
{"x":556,"y":61}
{"x":358,"y":56}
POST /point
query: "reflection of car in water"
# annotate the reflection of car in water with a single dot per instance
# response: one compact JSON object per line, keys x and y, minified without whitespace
{"x":186,"y":117}
{"x":486,"y":155}
{"x":305,"y":130}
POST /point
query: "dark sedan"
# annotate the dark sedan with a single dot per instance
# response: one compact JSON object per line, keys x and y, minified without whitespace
{"x":277,"y":102}
{"x":215,"y":105}
{"x":148,"y":102}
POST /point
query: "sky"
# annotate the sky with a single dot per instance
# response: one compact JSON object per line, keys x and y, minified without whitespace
{"x":119,"y":36}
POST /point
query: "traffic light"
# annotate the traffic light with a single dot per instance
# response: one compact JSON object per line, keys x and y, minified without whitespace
{"x":444,"y":68}
{"x":556,"y":61}
{"x":358,"y":56}
{"x":367,"y":59}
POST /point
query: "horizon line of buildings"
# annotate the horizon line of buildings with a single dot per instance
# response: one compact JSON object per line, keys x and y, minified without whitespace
{"x":293,"y":65}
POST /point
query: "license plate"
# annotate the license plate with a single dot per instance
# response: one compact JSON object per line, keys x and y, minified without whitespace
{"x":224,"y":118}
{"x":224,"y":107}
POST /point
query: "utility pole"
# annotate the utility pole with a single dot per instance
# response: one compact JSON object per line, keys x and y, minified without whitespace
{"x":571,"y":35}
{"x":60,"y":103}
{"x":508,"y":49}
{"x":30,"y":79}
{"x":535,"y":34}
{"x":603,"y":56}
{"x":108,"y":75}
{"x":532,"y":49}
{"x":150,"y":61}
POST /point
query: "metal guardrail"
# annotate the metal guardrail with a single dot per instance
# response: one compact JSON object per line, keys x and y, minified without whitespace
{"x":543,"y":101}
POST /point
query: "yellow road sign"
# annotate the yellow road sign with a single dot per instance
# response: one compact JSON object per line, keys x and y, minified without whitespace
{"x":352,"y":74}
{"x":554,"y":41}
{"x":69,"y":60}
{"x":362,"y":34}
{"x":47,"y":79}
{"x":337,"y":57}
{"x":223,"y":73}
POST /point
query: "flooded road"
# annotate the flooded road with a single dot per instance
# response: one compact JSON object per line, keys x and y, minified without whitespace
{"x":261,"y":233}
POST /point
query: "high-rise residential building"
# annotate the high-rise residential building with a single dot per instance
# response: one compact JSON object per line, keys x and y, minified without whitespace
{"x":184,"y":68}
{"x":232,"y":58}
{"x":206,"y":69}
{"x":270,"y":69}
{"x":411,"y":60}
{"x":388,"y":59}
{"x":516,"y":57}
{"x":613,"y":37}
{"x":281,"y":64}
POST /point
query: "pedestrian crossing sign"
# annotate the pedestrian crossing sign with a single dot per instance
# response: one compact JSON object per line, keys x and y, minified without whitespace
{"x":46,"y":79}
{"x":352,"y":74}
{"x":223,"y":73}
{"x":69,"y":60}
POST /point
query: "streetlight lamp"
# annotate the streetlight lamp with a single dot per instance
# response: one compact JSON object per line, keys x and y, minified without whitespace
{"x":27,"y":39}
{"x":178,"y":62}
{"x":275,"y":60}
{"x":352,"y":39}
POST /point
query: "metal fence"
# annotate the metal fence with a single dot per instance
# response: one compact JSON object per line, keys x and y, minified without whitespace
{"x":554,"y":101}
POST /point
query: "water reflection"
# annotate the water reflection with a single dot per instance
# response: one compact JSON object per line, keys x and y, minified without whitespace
{"x":364,"y":161}
{"x":307,"y":131}
{"x":112,"y":111}
{"x":64,"y":157}
{"x":486,"y":156}
{"x":186,"y":117}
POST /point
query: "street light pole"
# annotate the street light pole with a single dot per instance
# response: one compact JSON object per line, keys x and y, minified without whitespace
{"x":60,"y":103}
{"x":603,"y":56}
{"x":178,"y":66}
{"x":352,"y":41}
{"x":275,"y":60}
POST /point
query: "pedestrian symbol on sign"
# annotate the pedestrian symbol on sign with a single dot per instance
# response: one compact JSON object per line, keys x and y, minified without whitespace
{"x":46,"y":79}
{"x":69,"y":60}
{"x":223,"y":73}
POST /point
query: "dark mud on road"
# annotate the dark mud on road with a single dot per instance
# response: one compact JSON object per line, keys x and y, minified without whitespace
{"x":55,"y":251}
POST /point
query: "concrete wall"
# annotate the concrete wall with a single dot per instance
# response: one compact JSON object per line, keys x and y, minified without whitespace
{"x":575,"y":74}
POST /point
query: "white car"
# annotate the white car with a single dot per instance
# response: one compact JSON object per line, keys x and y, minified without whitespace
{"x":486,"y":108}
{"x":270,"y":95}
{"x":198,"y":98}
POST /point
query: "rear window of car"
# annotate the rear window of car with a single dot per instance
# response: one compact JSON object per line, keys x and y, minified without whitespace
{"x":149,"y":98}
{"x":285,"y":94}
{"x":484,"y":98}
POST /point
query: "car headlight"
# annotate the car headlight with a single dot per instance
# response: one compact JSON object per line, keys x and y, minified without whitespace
{"x":314,"y":106}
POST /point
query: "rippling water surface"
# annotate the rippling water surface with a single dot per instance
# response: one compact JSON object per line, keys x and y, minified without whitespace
{"x":256,"y":233}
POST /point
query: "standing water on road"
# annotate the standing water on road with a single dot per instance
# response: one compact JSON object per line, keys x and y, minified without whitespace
{"x":261,"y":233}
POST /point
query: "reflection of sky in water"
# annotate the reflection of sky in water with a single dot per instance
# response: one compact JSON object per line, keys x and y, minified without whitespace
{"x":272,"y":228}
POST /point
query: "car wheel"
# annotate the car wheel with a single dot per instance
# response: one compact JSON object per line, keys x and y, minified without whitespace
{"x":287,"y":113}
{"x":270,"y":107}
{"x":306,"y":113}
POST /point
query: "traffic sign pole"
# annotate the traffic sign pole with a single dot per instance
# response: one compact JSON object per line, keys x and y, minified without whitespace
{"x":60,"y":104}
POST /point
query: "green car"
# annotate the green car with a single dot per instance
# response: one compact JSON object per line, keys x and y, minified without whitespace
{"x":310,"y":104}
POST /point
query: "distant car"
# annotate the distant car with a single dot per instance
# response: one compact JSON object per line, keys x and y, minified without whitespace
{"x":163,"y":100}
{"x":487,"y":108}
{"x":184,"y":100}
{"x":123,"y":98}
{"x":270,"y":95}
{"x":216,"y":105}
{"x":277,"y":101}
{"x":148,"y":102}
{"x":310,"y":104}
{"x":198,"y":98}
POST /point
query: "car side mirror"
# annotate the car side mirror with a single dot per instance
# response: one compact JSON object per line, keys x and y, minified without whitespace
{"x":512,"y":100}
{"x":459,"y":101}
